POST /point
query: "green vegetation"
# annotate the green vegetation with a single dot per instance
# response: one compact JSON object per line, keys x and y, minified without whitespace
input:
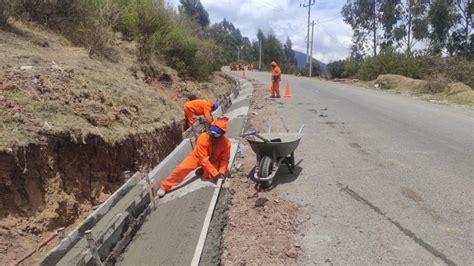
{"x":386,"y":34}
{"x":185,"y":40}
{"x":179,"y":39}
{"x":239,"y":49}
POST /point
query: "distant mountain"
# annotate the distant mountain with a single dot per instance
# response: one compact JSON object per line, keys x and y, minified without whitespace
{"x":301,"y":59}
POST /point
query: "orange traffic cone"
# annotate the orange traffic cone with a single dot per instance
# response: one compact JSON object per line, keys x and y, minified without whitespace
{"x":287,"y":90}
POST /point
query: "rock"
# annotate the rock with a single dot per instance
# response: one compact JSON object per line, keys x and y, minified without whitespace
{"x":291,"y":253}
{"x":260,"y":202}
{"x":3,"y":248}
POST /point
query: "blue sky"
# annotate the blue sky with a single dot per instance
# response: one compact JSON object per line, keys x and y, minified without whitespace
{"x":286,"y":18}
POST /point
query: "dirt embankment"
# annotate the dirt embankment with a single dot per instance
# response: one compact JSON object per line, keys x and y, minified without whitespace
{"x":71,"y":126}
{"x":436,"y":89}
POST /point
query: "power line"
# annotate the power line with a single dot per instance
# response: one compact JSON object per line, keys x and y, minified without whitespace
{"x":334,"y":38}
{"x":321,"y":22}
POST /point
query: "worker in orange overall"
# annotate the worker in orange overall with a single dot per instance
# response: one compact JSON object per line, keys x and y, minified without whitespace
{"x":276,"y":78}
{"x":211,"y":153}
{"x":230,"y":67}
{"x":199,"y":107}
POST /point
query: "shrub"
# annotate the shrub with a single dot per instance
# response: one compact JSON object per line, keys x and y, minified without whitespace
{"x":7,"y":9}
{"x":435,"y":84}
{"x":343,"y":68}
{"x":390,"y":62}
{"x":88,"y":22}
{"x":209,"y":58}
{"x":336,"y":69}
{"x":456,"y":69}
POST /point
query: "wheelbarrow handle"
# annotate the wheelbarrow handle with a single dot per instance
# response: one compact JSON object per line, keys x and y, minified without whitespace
{"x":254,"y":132}
{"x":301,"y":129}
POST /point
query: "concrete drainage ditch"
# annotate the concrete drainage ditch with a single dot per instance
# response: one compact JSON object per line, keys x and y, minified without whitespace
{"x":126,"y":230}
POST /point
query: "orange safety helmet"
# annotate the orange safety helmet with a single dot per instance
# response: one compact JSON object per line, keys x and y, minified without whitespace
{"x":221,"y":122}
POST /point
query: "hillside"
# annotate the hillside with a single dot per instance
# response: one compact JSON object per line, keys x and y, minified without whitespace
{"x":72,"y":126}
{"x":301,"y":61}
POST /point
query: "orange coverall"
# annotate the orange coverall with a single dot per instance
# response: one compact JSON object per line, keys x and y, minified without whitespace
{"x":212,"y":154}
{"x":198,"y":107}
{"x":276,"y":78}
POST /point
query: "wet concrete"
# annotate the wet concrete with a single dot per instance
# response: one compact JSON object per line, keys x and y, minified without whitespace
{"x":170,"y":239}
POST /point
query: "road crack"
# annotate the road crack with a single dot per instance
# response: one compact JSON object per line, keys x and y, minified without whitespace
{"x":404,"y":230}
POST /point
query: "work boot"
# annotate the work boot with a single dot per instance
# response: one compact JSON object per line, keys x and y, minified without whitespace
{"x":161,"y":193}
{"x":199,"y":172}
{"x":278,"y":96}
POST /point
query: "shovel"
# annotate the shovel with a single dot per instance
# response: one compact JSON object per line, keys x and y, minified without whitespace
{"x":254,"y":132}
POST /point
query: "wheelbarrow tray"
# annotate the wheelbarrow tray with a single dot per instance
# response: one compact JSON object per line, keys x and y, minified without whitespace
{"x":289,"y":143}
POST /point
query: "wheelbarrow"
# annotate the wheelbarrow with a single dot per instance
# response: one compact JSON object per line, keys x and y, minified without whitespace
{"x":272,"y":150}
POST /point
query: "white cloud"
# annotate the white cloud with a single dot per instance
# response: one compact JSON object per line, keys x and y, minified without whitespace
{"x":332,"y":38}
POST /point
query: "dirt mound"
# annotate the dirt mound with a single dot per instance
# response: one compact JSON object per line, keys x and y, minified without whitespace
{"x":458,"y":87}
{"x":388,"y":82}
{"x":72,"y":125}
{"x":437,"y":89}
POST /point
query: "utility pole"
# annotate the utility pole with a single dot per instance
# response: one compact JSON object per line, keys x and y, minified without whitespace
{"x":311,"y":50}
{"x":310,"y":3}
{"x":260,"y":55}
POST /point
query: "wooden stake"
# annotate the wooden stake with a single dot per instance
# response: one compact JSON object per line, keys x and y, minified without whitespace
{"x":93,"y":247}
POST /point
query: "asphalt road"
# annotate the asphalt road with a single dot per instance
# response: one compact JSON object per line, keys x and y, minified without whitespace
{"x":385,"y":179}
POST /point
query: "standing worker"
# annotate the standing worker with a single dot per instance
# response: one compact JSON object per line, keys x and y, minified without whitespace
{"x":276,"y":78}
{"x":199,"y":107}
{"x":230,"y":67}
{"x":212,"y":153}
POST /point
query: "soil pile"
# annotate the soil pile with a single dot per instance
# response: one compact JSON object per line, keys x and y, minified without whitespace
{"x":437,"y":89}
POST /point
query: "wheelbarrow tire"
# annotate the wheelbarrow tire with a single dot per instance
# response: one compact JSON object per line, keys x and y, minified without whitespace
{"x":266,"y":169}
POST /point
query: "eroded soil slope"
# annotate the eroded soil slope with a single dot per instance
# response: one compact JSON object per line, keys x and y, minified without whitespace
{"x":71,"y":126}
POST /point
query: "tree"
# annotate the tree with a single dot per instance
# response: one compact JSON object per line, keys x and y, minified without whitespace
{"x":364,"y":16}
{"x":442,"y":17}
{"x":289,"y":58}
{"x":390,"y":15}
{"x":336,"y":69}
{"x":414,"y":24}
{"x":195,"y":10}
{"x":229,"y":38}
{"x":465,"y":9}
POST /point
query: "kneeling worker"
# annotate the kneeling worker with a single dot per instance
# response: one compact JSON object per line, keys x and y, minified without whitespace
{"x":199,"y":107}
{"x":212,"y":153}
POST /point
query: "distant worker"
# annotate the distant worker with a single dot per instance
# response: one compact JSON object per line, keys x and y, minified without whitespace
{"x":276,"y":78}
{"x":212,"y":153}
{"x":199,"y":107}
{"x":230,"y":66}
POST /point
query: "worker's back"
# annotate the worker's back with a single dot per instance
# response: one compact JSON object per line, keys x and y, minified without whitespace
{"x":199,"y":107}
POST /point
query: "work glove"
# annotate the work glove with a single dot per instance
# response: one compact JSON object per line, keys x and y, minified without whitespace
{"x":274,"y":77}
